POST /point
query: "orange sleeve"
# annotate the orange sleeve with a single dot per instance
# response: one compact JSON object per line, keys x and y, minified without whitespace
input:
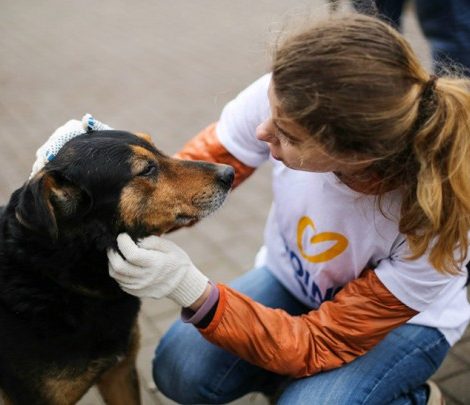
{"x":206,"y":146}
{"x":360,"y":315}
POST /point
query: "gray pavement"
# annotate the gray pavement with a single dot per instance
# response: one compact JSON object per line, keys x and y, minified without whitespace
{"x":167,"y":68}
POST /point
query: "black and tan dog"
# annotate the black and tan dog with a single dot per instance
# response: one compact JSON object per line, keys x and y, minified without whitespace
{"x":64,"y":323}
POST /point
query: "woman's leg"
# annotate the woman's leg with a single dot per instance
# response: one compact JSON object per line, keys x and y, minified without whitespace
{"x":188,"y":369}
{"x":393,"y":372}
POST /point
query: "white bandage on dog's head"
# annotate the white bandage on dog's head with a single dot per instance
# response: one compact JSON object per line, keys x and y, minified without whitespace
{"x":91,"y":124}
{"x":61,"y":136}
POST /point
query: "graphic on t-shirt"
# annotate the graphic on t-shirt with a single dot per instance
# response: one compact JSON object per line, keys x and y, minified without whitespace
{"x":307,"y":226}
{"x":326,"y":246}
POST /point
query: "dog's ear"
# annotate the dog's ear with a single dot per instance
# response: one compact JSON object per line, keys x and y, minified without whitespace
{"x":146,"y":137}
{"x":49,"y":199}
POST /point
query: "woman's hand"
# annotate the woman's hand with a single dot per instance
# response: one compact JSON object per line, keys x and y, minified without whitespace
{"x":156,"y":268}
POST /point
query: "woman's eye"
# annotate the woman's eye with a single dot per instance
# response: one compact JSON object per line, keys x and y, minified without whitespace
{"x":148,"y":171}
{"x":282,"y":138}
{"x":286,"y":140}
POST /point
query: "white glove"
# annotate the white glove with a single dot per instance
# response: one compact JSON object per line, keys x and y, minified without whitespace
{"x":61,"y":136}
{"x":156,"y":268}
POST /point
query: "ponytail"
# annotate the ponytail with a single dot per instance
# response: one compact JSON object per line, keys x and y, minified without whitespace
{"x":436,"y":211}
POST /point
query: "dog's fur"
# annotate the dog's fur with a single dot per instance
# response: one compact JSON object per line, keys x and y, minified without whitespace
{"x":64,"y":323}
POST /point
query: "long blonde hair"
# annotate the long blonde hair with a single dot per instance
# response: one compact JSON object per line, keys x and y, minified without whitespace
{"x":357,"y":86}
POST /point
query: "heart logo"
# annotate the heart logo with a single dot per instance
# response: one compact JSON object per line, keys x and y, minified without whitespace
{"x":341,"y":243}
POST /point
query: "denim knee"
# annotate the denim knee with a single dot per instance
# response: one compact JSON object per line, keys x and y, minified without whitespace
{"x":171,"y":366}
{"x":179,"y":366}
{"x":394,"y":371}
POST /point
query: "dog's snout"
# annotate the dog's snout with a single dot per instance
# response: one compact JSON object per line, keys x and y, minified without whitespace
{"x":225,"y":175}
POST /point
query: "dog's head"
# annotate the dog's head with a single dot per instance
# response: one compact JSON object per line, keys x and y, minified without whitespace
{"x":119,"y":182}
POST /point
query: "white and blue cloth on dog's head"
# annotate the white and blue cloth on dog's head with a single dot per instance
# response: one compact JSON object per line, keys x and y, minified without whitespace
{"x":61,"y":136}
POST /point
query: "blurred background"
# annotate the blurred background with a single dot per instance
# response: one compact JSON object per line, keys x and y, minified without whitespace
{"x":166,"y":68}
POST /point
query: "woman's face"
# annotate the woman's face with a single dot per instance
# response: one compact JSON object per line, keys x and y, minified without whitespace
{"x":292,"y":145}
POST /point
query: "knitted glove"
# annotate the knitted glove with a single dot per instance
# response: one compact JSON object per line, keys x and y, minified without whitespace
{"x":156,"y":268}
{"x":61,"y":136}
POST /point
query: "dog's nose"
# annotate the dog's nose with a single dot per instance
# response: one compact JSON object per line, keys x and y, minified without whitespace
{"x":225,"y":175}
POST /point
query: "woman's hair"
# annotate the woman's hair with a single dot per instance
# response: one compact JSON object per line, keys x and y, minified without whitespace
{"x":358,"y":88}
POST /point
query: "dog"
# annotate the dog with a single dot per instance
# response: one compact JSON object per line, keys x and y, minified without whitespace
{"x":65,"y":324}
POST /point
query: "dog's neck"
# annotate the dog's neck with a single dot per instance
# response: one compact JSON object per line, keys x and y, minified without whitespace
{"x":75,"y":262}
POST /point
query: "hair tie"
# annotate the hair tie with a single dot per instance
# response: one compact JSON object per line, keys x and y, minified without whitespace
{"x":427,"y":94}
{"x":427,"y":102}
{"x":429,"y":86}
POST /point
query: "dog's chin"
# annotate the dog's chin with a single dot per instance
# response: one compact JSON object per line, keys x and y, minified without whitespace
{"x":186,"y":220}
{"x":181,"y":221}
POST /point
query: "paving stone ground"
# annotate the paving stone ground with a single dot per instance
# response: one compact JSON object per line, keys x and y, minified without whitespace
{"x":165,"y":67}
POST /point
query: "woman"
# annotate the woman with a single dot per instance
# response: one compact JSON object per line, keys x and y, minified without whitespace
{"x":371,"y":183}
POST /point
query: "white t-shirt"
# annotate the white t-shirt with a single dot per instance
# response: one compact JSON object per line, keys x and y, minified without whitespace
{"x":320,"y":234}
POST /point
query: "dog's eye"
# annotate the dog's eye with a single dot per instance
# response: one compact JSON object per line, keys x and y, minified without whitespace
{"x":149,"y":170}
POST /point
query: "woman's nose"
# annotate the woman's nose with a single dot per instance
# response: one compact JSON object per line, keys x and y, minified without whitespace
{"x":265,"y":131}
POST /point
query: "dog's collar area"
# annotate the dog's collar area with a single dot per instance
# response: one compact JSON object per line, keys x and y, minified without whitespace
{"x":88,"y":292}
{"x":22,"y":222}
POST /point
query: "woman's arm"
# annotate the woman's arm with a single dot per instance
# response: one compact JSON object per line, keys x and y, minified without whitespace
{"x":358,"y":318}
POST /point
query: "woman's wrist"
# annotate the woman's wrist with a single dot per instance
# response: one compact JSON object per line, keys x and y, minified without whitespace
{"x":202,"y":311}
{"x":200,"y":301}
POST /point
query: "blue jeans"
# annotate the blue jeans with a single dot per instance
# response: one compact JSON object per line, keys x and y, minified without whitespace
{"x":190,"y":370}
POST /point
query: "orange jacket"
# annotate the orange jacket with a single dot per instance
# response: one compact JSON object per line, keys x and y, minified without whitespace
{"x":358,"y":317}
